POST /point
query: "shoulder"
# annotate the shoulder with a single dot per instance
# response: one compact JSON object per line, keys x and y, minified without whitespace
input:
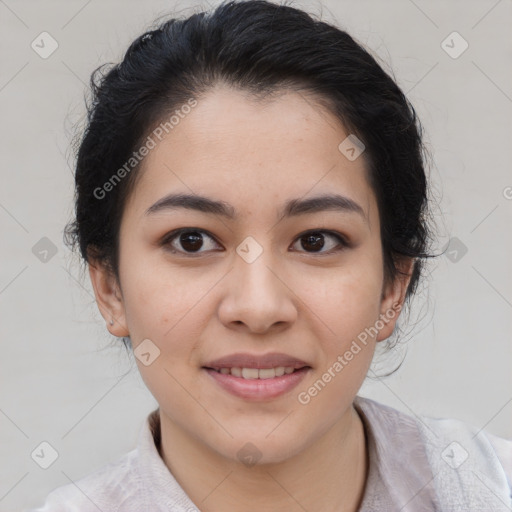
{"x":459,"y":448}
{"x":99,"y":490}
{"x":461,"y":441}
{"x":467,"y":463}
{"x":503,"y":450}
{"x":139,"y":480}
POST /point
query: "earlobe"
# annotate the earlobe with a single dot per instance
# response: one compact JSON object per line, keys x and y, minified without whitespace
{"x":108,"y":298}
{"x":393,"y":298}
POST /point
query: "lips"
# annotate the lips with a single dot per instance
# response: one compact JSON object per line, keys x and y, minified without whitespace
{"x":257,"y":389}
{"x":256,"y":377}
{"x":261,"y":362}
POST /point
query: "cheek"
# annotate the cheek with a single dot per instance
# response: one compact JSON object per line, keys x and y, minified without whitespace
{"x":159,"y":297}
{"x":346,"y":299}
{"x":171,"y":309}
{"x":347,"y":305}
{"x":165,"y":306}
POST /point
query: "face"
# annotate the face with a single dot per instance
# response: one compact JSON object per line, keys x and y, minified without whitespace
{"x":258,"y":279}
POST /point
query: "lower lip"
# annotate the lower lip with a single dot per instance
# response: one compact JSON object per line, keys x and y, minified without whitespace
{"x":258,"y":389}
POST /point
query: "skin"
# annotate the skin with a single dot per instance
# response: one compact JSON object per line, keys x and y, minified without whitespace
{"x":254,"y":156}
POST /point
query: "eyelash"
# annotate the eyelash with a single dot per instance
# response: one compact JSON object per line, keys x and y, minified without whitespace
{"x":170,"y":237}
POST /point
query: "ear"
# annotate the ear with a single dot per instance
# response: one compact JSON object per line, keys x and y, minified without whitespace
{"x":393,"y":297}
{"x":109,"y":298}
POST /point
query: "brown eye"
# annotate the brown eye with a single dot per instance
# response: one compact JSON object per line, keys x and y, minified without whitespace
{"x":312,"y":242}
{"x":189,"y":241}
{"x":315,"y":241}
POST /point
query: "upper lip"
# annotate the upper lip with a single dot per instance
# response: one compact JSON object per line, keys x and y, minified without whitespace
{"x":246,"y":360}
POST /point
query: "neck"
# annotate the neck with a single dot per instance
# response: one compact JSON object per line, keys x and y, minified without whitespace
{"x":329,"y":475}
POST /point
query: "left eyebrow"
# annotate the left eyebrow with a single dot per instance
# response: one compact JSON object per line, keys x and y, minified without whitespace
{"x":292,"y":208}
{"x":329,"y":202}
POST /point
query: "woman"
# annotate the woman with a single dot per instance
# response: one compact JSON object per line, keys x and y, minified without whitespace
{"x":252,"y":206}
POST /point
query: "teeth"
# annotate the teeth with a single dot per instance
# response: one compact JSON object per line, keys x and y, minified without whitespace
{"x":268,"y":373}
{"x":250,"y":373}
{"x":255,"y":373}
{"x":279,"y":371}
{"x":237,"y":372}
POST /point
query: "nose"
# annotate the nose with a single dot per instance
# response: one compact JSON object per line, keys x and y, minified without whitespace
{"x":258,"y":298}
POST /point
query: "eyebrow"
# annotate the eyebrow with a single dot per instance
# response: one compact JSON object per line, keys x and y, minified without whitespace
{"x":293,"y":207}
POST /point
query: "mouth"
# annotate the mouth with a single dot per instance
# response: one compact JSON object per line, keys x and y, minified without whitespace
{"x":257,"y":384}
{"x":256,"y":377}
{"x":257,"y":373}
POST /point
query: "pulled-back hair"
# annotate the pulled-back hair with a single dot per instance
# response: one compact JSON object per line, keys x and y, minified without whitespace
{"x":262,"y":48}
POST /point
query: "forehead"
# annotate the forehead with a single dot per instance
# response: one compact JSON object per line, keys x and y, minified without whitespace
{"x":251,"y":153}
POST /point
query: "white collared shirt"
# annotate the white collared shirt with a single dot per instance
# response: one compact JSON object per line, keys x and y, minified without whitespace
{"x":416,"y":464}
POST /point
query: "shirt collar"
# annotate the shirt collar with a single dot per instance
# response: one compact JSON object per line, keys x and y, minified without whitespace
{"x":399,"y":476}
{"x":398,"y":461}
{"x":158,"y":483}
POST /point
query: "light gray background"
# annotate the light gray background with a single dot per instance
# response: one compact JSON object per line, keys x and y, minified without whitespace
{"x":63,"y":383}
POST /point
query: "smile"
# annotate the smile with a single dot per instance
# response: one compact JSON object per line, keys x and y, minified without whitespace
{"x":257,"y":384}
{"x":257,"y":373}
